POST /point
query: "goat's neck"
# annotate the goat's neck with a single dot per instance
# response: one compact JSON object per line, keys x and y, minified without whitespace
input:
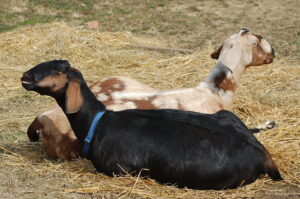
{"x":236,"y":65}
{"x":82,"y":119}
{"x":225,"y":76}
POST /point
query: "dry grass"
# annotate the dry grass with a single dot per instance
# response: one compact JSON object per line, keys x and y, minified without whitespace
{"x":265,"y":92}
{"x":188,"y":24}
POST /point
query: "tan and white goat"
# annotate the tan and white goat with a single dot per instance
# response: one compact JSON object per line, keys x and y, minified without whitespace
{"x":238,"y":52}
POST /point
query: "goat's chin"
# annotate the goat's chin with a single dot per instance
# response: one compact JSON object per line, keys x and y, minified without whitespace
{"x":28,"y":86}
{"x":268,"y":61}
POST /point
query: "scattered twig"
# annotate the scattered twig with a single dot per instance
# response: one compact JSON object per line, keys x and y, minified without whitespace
{"x":162,"y":49}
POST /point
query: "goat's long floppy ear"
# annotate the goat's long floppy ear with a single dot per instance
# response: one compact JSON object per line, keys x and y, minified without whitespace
{"x":74,"y":99}
{"x":216,"y":54}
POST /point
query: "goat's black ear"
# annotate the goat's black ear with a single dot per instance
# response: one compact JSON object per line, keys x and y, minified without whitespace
{"x":74,"y":99}
{"x":216,"y":54}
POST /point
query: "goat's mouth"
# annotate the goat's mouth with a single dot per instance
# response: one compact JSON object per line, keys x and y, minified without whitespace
{"x":27,"y":84}
{"x":270,"y":57}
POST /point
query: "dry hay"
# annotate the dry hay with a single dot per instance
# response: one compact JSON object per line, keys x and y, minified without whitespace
{"x":265,"y":92}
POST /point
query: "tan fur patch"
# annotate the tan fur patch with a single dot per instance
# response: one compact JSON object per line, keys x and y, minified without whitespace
{"x":228,"y":85}
{"x":74,"y":99}
{"x":143,"y":104}
{"x":225,"y":83}
{"x":66,"y":148}
{"x":108,"y":86}
{"x":55,"y":82}
{"x":259,"y":57}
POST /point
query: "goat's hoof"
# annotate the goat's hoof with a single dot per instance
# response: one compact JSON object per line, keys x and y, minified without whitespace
{"x":270,"y":124}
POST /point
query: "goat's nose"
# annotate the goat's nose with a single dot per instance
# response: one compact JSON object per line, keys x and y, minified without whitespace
{"x":273,"y":51}
{"x":26,"y":76}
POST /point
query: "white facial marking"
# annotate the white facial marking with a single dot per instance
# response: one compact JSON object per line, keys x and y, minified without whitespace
{"x":266,"y":46}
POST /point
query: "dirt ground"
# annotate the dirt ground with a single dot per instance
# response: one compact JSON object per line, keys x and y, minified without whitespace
{"x":35,"y":31}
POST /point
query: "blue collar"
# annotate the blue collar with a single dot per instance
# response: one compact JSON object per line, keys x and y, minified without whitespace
{"x":91,"y":132}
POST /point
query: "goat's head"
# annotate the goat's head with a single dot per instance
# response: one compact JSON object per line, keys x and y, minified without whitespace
{"x":248,"y":48}
{"x":57,"y":79}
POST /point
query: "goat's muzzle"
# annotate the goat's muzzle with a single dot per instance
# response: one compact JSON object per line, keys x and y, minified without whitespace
{"x":27,"y":81}
{"x":270,"y":57}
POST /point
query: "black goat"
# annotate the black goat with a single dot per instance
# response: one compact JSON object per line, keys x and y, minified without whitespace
{"x":201,"y":151}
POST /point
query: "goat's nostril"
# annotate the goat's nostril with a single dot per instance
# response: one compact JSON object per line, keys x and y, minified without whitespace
{"x":26,"y":75}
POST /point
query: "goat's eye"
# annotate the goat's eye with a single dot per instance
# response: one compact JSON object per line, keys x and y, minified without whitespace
{"x":254,"y":44}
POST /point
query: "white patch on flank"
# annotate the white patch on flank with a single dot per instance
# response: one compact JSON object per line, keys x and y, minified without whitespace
{"x":146,"y":95}
{"x":117,"y":86}
{"x":131,"y":95}
{"x":163,"y":103}
{"x":102,"y":97}
{"x":130,"y":105}
{"x":176,"y":92}
{"x":227,"y":99}
{"x":96,"y":89}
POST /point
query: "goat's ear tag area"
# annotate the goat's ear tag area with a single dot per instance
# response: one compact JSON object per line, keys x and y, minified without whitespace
{"x":216,"y":54}
{"x":74,"y":99}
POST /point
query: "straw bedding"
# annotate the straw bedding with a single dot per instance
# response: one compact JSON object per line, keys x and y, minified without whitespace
{"x":269,"y":92}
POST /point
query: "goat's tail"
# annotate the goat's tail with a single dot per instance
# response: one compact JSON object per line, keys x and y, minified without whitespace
{"x":271,"y":168}
{"x":34,"y":129}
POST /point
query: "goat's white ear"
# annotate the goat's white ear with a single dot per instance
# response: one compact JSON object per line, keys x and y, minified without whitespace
{"x":74,"y":99}
{"x":216,"y":54}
